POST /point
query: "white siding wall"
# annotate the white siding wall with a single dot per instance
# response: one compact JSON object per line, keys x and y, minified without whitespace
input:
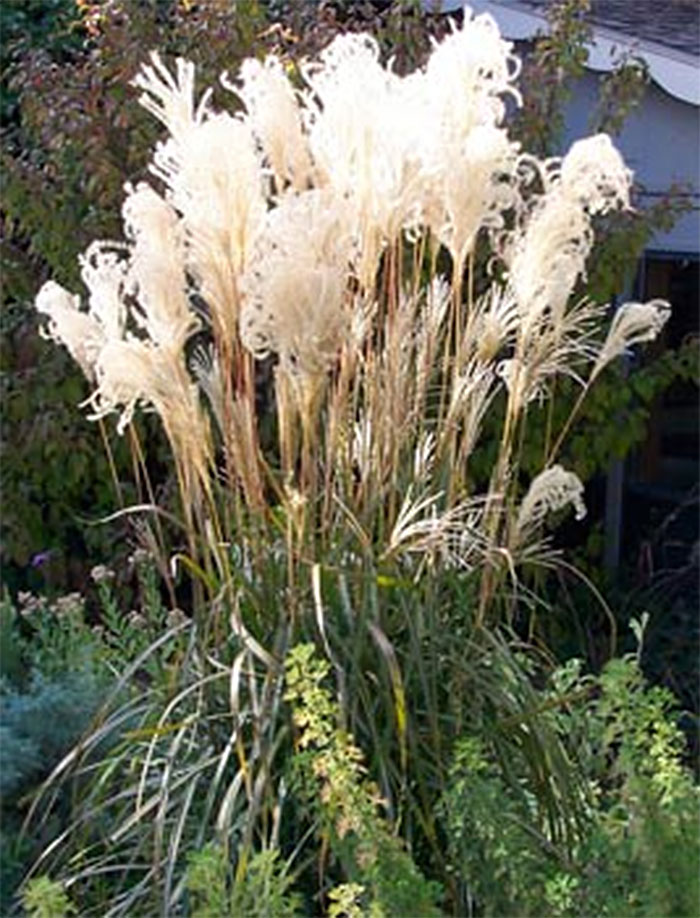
{"x":661,"y":140}
{"x":661,"y":144}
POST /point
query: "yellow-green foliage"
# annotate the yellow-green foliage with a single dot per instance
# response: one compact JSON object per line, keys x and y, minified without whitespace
{"x":381,"y":871}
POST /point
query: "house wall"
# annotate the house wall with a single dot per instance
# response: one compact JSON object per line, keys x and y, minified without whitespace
{"x":661,"y":139}
{"x":661,"y":144}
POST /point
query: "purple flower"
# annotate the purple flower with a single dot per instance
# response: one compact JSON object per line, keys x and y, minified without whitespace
{"x":41,"y":557}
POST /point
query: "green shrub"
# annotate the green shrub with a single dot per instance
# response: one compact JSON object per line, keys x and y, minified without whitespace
{"x":50,"y":694}
{"x":57,"y":671}
{"x":52,"y":684}
{"x":637,"y":851}
{"x":41,"y":723}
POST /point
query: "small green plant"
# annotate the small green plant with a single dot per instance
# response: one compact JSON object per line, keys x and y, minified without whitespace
{"x":126,"y":634}
{"x":46,"y":898}
{"x":208,"y":878}
{"x":51,"y":689}
{"x":57,"y":671}
{"x":496,"y":845}
{"x":39,"y":724}
{"x":265,"y":889}
{"x":51,"y":685}
{"x":261,"y":890}
{"x":648,"y":807}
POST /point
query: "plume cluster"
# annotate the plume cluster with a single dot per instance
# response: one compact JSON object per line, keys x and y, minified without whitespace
{"x":306,"y":228}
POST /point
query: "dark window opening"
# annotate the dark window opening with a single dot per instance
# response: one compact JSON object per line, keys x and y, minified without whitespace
{"x":660,"y":519}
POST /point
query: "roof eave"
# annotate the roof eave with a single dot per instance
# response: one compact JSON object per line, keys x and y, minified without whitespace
{"x":674,"y":71}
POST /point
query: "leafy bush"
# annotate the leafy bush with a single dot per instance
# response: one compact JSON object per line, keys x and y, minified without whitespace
{"x":56,"y":690}
{"x":39,"y":725}
{"x":637,"y":851}
{"x":57,"y":672}
{"x":51,"y":686}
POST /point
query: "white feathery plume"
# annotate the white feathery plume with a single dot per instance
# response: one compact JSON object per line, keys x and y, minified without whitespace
{"x":429,"y":322}
{"x":417,"y":524}
{"x":471,"y":386}
{"x":400,"y":340}
{"x":594,"y":174}
{"x":424,"y":457}
{"x":127,"y":374}
{"x":170,"y":98}
{"x":298,"y":316}
{"x":295,"y":286}
{"x":214,"y":178}
{"x":633,"y":323}
{"x":468,"y":75}
{"x":475,"y":187}
{"x":469,"y":547}
{"x":556,"y":350}
{"x":361,"y":131}
{"x":78,"y":331}
{"x":216,"y":183}
{"x":552,"y":490}
{"x":526,"y":381}
{"x":275,"y":117}
{"x":132,"y":373}
{"x":518,"y":381}
{"x":206,"y":370}
{"x":496,"y":323}
{"x":104,"y":271}
{"x":473,"y":390}
{"x":451,"y":536}
{"x":362,"y":313}
{"x":468,"y":164}
{"x":546,"y":260}
{"x":278,"y":217}
{"x":437,"y":301}
{"x":575,"y":342}
{"x":433,"y":307}
{"x":156,"y":268}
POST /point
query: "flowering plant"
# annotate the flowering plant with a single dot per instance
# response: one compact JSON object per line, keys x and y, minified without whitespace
{"x":308,"y":226}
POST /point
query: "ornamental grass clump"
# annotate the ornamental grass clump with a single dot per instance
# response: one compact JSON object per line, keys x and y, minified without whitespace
{"x":307,"y":228}
{"x":301,"y":298}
